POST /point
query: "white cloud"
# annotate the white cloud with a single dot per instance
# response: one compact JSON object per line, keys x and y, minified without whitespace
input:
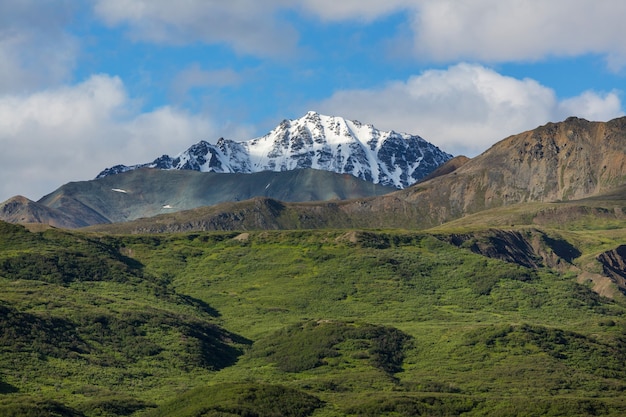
{"x":35,"y":51}
{"x":592,"y":106}
{"x":249,"y":26}
{"x":466,"y":108}
{"x":70,"y":133}
{"x":443,"y":30}
{"x":496,"y":30}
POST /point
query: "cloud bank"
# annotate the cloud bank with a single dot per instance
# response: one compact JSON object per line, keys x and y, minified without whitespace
{"x":443,"y":30}
{"x":35,"y":50}
{"x":496,"y":30}
{"x":248,"y":26}
{"x":467,"y":107}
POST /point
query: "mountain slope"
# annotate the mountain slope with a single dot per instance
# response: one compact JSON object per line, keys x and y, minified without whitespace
{"x":314,"y":141}
{"x":149,"y":192}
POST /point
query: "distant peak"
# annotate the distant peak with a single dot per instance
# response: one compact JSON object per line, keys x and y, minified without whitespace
{"x":13,"y":203}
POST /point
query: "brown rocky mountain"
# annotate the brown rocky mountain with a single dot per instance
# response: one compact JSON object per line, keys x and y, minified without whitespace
{"x":566,"y":161}
{"x":570,"y":160}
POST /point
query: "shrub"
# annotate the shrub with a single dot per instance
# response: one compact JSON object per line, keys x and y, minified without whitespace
{"x":307,"y":345}
{"x":244,"y":400}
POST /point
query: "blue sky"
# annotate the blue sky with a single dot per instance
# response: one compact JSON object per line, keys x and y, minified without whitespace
{"x":86,"y":84}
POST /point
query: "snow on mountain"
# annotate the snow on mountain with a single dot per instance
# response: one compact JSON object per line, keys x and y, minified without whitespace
{"x":314,"y":141}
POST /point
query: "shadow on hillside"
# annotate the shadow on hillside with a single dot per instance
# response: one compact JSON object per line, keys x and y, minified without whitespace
{"x":215,"y":349}
{"x":562,"y":248}
{"x":7,"y":388}
{"x":200,"y":305}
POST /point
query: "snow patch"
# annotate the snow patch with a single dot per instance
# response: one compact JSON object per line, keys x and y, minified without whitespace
{"x":119,"y":190}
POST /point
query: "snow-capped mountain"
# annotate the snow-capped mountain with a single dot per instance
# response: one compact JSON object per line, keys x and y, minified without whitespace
{"x":314,"y":141}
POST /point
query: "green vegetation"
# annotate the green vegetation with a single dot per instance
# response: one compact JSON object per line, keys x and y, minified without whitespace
{"x":298,"y":323}
{"x":306,"y":346}
{"x":241,"y":400}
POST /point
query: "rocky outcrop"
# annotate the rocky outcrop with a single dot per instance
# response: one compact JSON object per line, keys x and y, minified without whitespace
{"x":531,"y":248}
{"x":614,"y":266}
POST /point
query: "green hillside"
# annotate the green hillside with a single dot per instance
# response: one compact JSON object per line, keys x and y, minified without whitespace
{"x":299,"y":323}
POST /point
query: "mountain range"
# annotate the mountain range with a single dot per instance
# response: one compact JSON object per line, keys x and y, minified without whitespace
{"x":562,"y":164}
{"x":566,"y":161}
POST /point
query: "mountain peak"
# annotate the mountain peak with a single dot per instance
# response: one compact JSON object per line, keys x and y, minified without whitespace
{"x":311,"y":114}
{"x":20,"y":209}
{"x":317,"y":141}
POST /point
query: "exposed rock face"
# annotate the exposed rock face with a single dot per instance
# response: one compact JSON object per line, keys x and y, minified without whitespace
{"x":614,"y":266}
{"x":530,"y":248}
{"x":508,"y":246}
{"x":314,"y":141}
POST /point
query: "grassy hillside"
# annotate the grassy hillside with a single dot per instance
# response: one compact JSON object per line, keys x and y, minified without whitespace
{"x":298,"y":323}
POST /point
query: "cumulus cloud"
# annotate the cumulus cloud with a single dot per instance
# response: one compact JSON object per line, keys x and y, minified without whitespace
{"x":467,"y":107}
{"x":70,"y":133}
{"x":249,"y":26}
{"x":443,"y":30}
{"x":35,"y":50}
{"x":592,"y":106}
{"x":495,"y":30}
